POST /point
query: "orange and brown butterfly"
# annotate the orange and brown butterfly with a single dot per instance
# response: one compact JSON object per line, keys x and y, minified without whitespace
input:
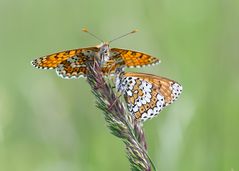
{"x":146,"y":94}
{"x":72,"y":63}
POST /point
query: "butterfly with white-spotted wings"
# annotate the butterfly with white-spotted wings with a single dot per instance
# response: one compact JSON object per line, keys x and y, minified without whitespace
{"x":146,"y":94}
{"x":72,"y":63}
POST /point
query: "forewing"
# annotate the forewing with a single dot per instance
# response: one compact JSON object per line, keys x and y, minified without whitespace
{"x":131,"y":58}
{"x":53,"y":60}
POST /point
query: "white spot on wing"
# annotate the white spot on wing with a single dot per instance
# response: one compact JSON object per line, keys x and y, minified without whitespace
{"x":135,"y":108}
{"x":150,"y":112}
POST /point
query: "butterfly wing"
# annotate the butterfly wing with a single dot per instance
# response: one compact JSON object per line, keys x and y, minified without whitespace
{"x":131,"y":58}
{"x":53,"y":60}
{"x":146,"y":95}
{"x":71,"y":63}
{"x":73,"y":67}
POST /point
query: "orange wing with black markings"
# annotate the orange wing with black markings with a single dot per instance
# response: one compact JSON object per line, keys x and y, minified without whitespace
{"x":132,"y":58}
{"x":71,"y":63}
{"x":53,"y":60}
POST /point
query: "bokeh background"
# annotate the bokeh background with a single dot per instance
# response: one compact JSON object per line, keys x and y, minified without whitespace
{"x":51,"y":124}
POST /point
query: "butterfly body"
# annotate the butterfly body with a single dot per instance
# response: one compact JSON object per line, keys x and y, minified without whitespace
{"x":72,"y":63}
{"x":145,"y":94}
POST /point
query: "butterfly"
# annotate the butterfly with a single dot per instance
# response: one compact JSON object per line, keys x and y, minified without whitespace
{"x":146,"y":94}
{"x":72,"y":63}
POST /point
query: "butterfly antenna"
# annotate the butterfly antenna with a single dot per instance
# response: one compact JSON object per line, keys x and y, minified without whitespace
{"x":133,"y":31}
{"x":86,"y":31}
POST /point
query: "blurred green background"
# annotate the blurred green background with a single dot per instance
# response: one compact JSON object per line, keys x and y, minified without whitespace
{"x":51,"y":124}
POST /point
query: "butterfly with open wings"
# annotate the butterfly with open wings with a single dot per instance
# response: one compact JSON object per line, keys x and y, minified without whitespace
{"x":72,"y":63}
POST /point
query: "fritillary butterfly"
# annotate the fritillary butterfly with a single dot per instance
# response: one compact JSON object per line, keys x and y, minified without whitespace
{"x":145,"y":94}
{"x":72,"y":63}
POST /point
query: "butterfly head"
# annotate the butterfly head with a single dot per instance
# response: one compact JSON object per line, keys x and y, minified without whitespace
{"x":104,"y":50}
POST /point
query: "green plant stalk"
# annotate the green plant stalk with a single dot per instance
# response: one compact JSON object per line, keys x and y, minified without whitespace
{"x":118,"y":120}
